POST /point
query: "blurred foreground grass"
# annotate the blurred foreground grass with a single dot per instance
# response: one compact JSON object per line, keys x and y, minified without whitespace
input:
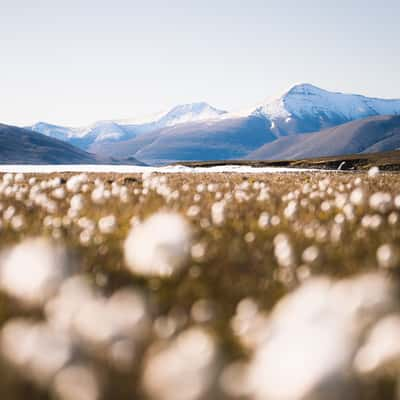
{"x":327,"y":223}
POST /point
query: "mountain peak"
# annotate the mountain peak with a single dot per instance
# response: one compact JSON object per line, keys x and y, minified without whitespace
{"x":304,"y":89}
{"x":103,"y":123}
{"x":196,"y":107}
{"x":42,"y":124}
{"x":180,"y":113}
{"x":308,"y":102}
{"x":189,"y":113}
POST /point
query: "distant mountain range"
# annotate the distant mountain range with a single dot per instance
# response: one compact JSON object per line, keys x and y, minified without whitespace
{"x":22,"y":146}
{"x":117,"y":131}
{"x":201,"y":132}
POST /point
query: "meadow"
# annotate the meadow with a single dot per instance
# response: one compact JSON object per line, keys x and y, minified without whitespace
{"x":200,"y":286}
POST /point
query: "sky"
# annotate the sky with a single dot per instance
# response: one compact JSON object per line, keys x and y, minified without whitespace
{"x":73,"y":62}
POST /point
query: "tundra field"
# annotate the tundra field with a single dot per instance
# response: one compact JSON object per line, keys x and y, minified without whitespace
{"x":200,"y":286}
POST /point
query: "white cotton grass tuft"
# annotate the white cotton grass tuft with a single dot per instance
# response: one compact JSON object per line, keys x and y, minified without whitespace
{"x":97,"y":195}
{"x":218,"y":213}
{"x":73,"y":294}
{"x":321,"y":325}
{"x":77,"y":202}
{"x":283,"y":251}
{"x":263,"y":220}
{"x":19,"y":177}
{"x":387,"y":256}
{"x":189,"y":362}
{"x":107,"y":224}
{"x":35,"y":349}
{"x":159,"y":246}
{"x":75,"y":182}
{"x":77,"y":382}
{"x":110,"y":329}
{"x":381,"y":350}
{"x":311,"y":255}
{"x":101,"y":321}
{"x":381,"y":202}
{"x":32,"y":271}
{"x":358,"y":197}
{"x":248,"y":324}
{"x":373,"y":172}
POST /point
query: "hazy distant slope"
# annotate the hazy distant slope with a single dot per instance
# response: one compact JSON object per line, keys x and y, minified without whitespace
{"x":379,"y":133}
{"x":23,"y":146}
{"x":125,"y":148}
{"x":217,"y":140}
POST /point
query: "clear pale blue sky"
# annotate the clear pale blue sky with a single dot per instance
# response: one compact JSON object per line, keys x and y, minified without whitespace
{"x":77,"y":61}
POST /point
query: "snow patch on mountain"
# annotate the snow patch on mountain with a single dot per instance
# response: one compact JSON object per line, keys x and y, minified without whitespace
{"x":115,"y":130}
{"x":305,"y":100}
{"x":190,"y":113}
{"x":55,"y":131}
{"x":103,"y":130}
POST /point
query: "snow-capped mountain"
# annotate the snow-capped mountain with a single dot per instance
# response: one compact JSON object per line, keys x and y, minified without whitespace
{"x":55,"y":131}
{"x":189,"y":113}
{"x":199,"y":131}
{"x":104,"y":131}
{"x":306,"y":108}
{"x":83,"y":137}
{"x":182,"y":113}
{"x":114,"y":131}
{"x":305,"y":99}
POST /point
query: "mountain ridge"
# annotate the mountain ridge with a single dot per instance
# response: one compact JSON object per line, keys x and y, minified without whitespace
{"x":23,"y":146}
{"x":113,"y":130}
